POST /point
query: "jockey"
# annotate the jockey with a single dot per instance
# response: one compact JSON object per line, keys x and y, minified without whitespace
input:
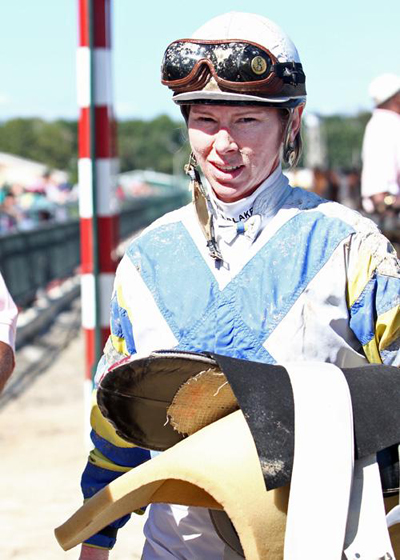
{"x":253,"y":268}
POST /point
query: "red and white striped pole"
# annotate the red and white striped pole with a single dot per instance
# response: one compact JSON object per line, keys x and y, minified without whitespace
{"x":97,"y":170}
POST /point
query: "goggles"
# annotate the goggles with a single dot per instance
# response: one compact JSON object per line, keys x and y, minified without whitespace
{"x":236,"y":65}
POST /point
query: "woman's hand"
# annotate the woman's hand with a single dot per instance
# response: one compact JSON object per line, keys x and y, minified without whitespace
{"x":90,"y":553}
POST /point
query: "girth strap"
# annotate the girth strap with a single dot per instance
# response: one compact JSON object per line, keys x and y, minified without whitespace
{"x":323,"y":462}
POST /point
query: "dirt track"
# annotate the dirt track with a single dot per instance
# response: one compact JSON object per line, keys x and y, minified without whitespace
{"x":44,"y":449}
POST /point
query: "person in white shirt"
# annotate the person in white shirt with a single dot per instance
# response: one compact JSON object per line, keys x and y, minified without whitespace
{"x":8,"y":322}
{"x":380,"y":178}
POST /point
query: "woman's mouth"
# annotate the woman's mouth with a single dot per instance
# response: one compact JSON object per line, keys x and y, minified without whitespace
{"x":227,"y":170}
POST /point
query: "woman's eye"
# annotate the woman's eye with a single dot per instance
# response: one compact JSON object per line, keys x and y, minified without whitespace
{"x":247,"y":120}
{"x":206,"y":119}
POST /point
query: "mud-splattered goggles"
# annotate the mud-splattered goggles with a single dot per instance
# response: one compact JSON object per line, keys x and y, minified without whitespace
{"x":236,"y":65}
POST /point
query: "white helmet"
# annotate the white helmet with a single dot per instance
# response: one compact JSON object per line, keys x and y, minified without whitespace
{"x":384,"y":87}
{"x":235,"y":58}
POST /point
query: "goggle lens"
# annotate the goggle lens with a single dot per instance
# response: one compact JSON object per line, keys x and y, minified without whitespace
{"x":232,"y":61}
{"x":238,"y":62}
{"x":180,"y":58}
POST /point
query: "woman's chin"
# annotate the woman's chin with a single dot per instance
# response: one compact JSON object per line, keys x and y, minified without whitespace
{"x":231,"y":191}
{"x":227,"y":193}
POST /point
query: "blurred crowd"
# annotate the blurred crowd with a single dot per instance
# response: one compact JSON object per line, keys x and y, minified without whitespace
{"x":48,"y":200}
{"x":23,"y":208}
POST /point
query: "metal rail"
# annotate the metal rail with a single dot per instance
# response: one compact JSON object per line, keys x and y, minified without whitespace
{"x":31,"y":260}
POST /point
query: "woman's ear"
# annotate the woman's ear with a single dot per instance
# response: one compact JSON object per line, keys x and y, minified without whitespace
{"x":292,"y":145}
{"x":296,"y":122}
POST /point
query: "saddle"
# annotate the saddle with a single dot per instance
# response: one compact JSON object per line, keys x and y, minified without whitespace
{"x":168,"y":400}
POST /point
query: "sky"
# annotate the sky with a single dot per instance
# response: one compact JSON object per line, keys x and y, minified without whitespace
{"x":343,"y":45}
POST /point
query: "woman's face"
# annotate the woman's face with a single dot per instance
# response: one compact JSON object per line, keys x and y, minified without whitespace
{"x":236,"y":147}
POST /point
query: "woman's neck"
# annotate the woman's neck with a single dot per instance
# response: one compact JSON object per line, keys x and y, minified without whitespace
{"x":265,"y":200}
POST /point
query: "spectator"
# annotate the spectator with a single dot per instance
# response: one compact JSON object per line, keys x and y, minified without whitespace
{"x":380,"y":179}
{"x":8,"y":213}
{"x":8,"y":322}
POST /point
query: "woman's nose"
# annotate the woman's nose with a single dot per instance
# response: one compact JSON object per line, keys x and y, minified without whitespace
{"x":224,"y":142}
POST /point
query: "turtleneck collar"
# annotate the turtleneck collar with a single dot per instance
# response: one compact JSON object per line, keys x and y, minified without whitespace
{"x":265,"y":200}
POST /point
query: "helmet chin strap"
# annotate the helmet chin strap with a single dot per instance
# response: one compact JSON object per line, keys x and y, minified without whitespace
{"x":202,"y":204}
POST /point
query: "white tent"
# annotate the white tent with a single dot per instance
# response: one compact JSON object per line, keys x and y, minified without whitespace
{"x":15,"y":169}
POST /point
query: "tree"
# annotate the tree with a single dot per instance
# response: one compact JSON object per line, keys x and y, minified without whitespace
{"x":344,"y":136}
{"x":51,"y":143}
{"x":150,"y":144}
